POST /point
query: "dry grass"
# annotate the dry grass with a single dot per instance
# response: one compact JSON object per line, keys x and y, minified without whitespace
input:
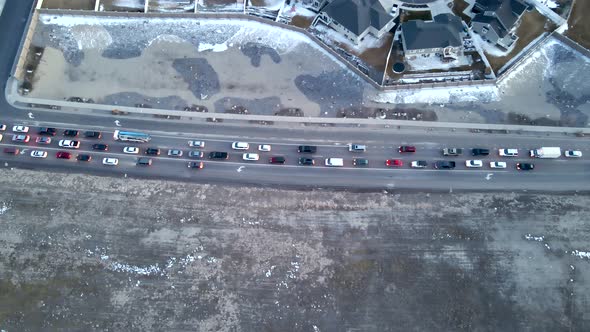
{"x":415,"y":15}
{"x":301,"y":21}
{"x":579,"y":24}
{"x":458,"y":7}
{"x":69,"y":4}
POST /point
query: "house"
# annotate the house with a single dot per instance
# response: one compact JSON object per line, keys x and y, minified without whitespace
{"x":315,"y":5}
{"x":355,"y":19}
{"x":496,"y":20}
{"x":443,"y":35}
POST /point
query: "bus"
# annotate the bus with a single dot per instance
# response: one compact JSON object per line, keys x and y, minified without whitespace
{"x":131,"y":136}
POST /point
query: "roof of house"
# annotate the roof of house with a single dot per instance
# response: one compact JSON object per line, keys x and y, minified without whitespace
{"x":358,"y":15}
{"x":443,"y":31}
{"x":492,"y":23}
{"x":506,"y":11}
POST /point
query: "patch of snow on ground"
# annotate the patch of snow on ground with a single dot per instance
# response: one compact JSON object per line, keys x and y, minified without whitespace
{"x":212,"y":47}
{"x":297,"y":9}
{"x":490,"y":49}
{"x":3,"y":208}
{"x":167,"y":39}
{"x":534,"y":238}
{"x":128,"y":3}
{"x":270,"y":4}
{"x":539,"y":55}
{"x":484,"y":94}
{"x":331,"y":35}
{"x":581,"y":254}
{"x":435,"y":62}
{"x":550,"y":3}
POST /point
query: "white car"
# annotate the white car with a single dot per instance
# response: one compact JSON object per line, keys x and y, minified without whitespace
{"x":2,"y":127}
{"x":474,"y":163}
{"x":573,"y":154}
{"x":110,"y":161}
{"x":1,"y":137}
{"x":20,"y":129}
{"x":196,"y":144}
{"x":66,"y":143}
{"x":240,"y":146}
{"x":174,"y":153}
{"x":250,"y":156}
{"x":497,"y":164}
{"x":131,"y":150}
{"x":508,"y":152}
{"x":38,"y":154}
{"x":264,"y":148}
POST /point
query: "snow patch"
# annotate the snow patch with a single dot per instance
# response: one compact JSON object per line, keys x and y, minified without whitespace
{"x":534,"y":238}
{"x":484,"y":94}
{"x":435,"y":62}
{"x":213,"y":47}
{"x":550,"y":3}
{"x":331,"y":36}
{"x":167,"y":39}
{"x":581,"y":254}
{"x":3,"y":208}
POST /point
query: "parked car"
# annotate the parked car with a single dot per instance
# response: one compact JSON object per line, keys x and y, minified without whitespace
{"x":357,"y":148}
{"x":407,"y":148}
{"x":394,"y":163}
{"x":277,"y":160}
{"x":360,"y":162}
{"x":174,"y":153}
{"x":508,"y":152}
{"x":144,"y":161}
{"x":110,"y":161}
{"x":195,"y":164}
{"x":307,"y":149}
{"x":84,"y":157}
{"x":131,"y":150}
{"x":195,"y":154}
{"x":497,"y":164}
{"x":92,"y":134}
{"x":48,"y":131}
{"x":20,"y":129}
{"x":218,"y":155}
{"x":573,"y":154}
{"x":452,"y":152}
{"x":473,"y":163}
{"x":11,"y":150}
{"x":306,"y":161}
{"x":38,"y":154}
{"x":100,"y":147}
{"x":480,"y":152}
{"x":196,"y":144}
{"x":2,"y":127}
{"x":21,"y":138}
{"x":71,"y":133}
{"x":1,"y":137}
{"x":418,"y":164}
{"x":152,"y":151}
{"x":240,"y":146}
{"x":250,"y":156}
{"x":43,"y":140}
{"x":66,"y":143}
{"x":443,"y":164}
{"x":264,"y":147}
{"x":525,"y":166}
{"x":63,"y":155}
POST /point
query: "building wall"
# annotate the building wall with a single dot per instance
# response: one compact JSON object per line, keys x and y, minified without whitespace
{"x":491,"y":35}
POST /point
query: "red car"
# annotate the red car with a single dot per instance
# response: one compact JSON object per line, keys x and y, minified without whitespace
{"x":394,"y":163}
{"x":407,"y":148}
{"x":63,"y":155}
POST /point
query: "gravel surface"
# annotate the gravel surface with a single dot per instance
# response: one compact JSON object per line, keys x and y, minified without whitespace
{"x":256,"y":51}
{"x":201,"y":78}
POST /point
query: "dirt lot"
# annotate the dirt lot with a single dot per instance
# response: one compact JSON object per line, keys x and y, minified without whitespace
{"x":579,"y":25}
{"x":69,"y":4}
{"x":88,"y":253}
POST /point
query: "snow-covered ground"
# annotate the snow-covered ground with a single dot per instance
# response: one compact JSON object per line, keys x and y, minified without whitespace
{"x":489,"y":48}
{"x":440,"y":96}
{"x":296,"y":9}
{"x":435,"y":62}
{"x":330,"y":36}
{"x":550,"y":3}
{"x":269,"y":4}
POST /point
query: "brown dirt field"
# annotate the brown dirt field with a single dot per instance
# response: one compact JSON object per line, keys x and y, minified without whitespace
{"x":415,"y":15}
{"x":377,"y":57}
{"x":301,"y":21}
{"x":579,"y":24}
{"x":69,"y":4}
{"x":458,"y":8}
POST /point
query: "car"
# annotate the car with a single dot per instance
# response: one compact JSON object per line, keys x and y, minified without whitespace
{"x":195,"y":164}
{"x":174,"y":153}
{"x":357,"y":148}
{"x":66,"y":143}
{"x":473,"y":163}
{"x":43,"y":140}
{"x":2,"y":127}
{"x":131,"y":150}
{"x":71,"y":133}
{"x":497,"y":164}
{"x":100,"y":147}
{"x":1,"y":137}
{"x":277,"y":160}
{"x":63,"y":155}
{"x":480,"y":152}
{"x":508,"y":152}
{"x":264,"y":147}
{"x":218,"y":155}
{"x":452,"y":152}
{"x":240,"y":146}
{"x":307,"y":149}
{"x":195,"y":154}
{"x":406,"y":148}
{"x":360,"y":162}
{"x":152,"y":151}
{"x":334,"y":162}
{"x":20,"y":129}
{"x":418,"y":164}
{"x":196,"y":144}
{"x":573,"y":154}
{"x":394,"y":163}
{"x":11,"y":150}
{"x":38,"y":154}
{"x":92,"y":134}
{"x":525,"y":166}
{"x":306,"y":161}
{"x":110,"y":161}
{"x":48,"y":131}
{"x":443,"y":164}
{"x":144,"y":161}
{"x":84,"y":157}
{"x":250,"y":156}
{"x":21,"y":138}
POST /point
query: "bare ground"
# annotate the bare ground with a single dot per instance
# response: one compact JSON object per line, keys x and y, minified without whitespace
{"x":579,"y":25}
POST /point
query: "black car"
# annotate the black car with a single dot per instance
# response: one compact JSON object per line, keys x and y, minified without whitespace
{"x":306,"y":161}
{"x":525,"y":166}
{"x":70,"y":133}
{"x":195,"y":164}
{"x":47,"y":131}
{"x":84,"y":157}
{"x":195,"y":154}
{"x":92,"y":134}
{"x":218,"y":155}
{"x":144,"y":161}
{"x":360,"y":162}
{"x":307,"y":149}
{"x":101,"y":147}
{"x":277,"y":160}
{"x":480,"y":152}
{"x":152,"y":151}
{"x":443,"y":164}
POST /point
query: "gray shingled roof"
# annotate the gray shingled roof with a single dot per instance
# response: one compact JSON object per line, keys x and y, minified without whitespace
{"x":358,"y":15}
{"x":445,"y":30}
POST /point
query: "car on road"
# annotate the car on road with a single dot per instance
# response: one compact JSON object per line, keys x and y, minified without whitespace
{"x":20,"y":129}
{"x":84,"y":157}
{"x":152,"y":151}
{"x":573,"y":154}
{"x":525,"y":166}
{"x":240,"y":146}
{"x":360,"y":162}
{"x":2,"y":127}
{"x":1,"y":137}
{"x":508,"y":152}
{"x":406,"y":148}
{"x":394,"y":163}
{"x":419,"y":164}
{"x":250,"y":156}
{"x":480,"y":152}
{"x":196,"y":144}
{"x":11,"y":150}
{"x":110,"y":161}
{"x":264,"y":147}
{"x":66,"y":143}
{"x":43,"y":140}
{"x":195,"y":154}
{"x":334,"y":162}
{"x":63,"y":155}
{"x":195,"y":164}
{"x":452,"y":152}
{"x":100,"y":147}
{"x":144,"y":161}
{"x":474,"y":163}
{"x":218,"y":155}
{"x":92,"y":134}
{"x":357,"y":148}
{"x":70,"y":133}
{"x":306,"y":161}
{"x":47,"y":131}
{"x":277,"y":160}
{"x":497,"y":164}
{"x":443,"y":164}
{"x":174,"y":153}
{"x":307,"y":149}
{"x":131,"y":150}
{"x":21,"y":138}
{"x":38,"y":154}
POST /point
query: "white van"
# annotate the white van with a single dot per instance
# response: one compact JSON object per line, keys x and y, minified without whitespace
{"x":334,"y":162}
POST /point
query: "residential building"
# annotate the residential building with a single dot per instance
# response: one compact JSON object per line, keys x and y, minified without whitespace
{"x":441,"y":36}
{"x":496,"y":20}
